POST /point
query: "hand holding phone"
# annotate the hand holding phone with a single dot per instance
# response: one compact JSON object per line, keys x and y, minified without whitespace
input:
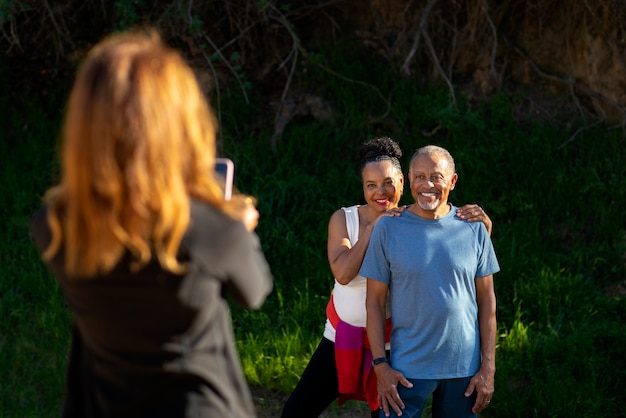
{"x":250,"y":215}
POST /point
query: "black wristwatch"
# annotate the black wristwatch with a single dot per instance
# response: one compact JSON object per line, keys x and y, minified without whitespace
{"x":379,"y":360}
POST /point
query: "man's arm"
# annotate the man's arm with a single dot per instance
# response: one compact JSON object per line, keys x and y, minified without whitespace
{"x":376,"y":311}
{"x":386,"y":377}
{"x":483,"y":381}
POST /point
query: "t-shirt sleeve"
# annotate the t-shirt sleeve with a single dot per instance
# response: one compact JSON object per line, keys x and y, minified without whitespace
{"x":375,"y":265}
{"x":487,"y":260}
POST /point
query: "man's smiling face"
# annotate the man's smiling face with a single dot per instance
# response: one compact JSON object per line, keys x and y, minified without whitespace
{"x":431,"y":180}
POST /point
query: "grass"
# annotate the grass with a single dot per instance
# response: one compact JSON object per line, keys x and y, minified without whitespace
{"x":559,"y":233}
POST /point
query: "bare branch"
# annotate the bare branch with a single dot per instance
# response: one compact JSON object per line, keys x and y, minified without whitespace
{"x":12,"y":37}
{"x":431,"y":49}
{"x":281,"y":18}
{"x":581,"y":129}
{"x":218,"y":105}
{"x":218,"y":51}
{"x":416,"y":37}
{"x":294,"y":63}
{"x":494,"y":48}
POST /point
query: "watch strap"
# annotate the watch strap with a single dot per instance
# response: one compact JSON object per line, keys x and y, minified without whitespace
{"x":379,"y":360}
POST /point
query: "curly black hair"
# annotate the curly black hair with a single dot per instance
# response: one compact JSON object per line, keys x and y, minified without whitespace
{"x":380,"y":149}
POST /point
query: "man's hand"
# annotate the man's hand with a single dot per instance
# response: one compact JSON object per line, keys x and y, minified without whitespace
{"x":388,"y":380}
{"x":483,"y":384}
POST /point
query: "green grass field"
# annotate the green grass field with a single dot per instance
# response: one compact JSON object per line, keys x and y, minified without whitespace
{"x":559,"y":232}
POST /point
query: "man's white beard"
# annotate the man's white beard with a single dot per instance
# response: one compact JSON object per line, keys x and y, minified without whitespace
{"x":428,"y":205}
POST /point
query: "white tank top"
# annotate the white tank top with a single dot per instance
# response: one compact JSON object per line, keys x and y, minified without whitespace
{"x":350,"y":298}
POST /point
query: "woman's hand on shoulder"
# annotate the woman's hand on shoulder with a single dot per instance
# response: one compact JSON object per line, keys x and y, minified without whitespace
{"x":474,"y":213}
{"x":396,"y":211}
{"x":390,"y":212}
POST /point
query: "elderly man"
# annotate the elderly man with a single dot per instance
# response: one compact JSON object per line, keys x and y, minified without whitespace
{"x":439,"y":270}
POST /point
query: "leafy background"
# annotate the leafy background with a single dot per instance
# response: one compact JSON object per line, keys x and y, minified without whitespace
{"x":526,"y":95}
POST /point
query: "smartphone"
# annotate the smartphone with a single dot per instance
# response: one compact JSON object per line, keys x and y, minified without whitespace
{"x":225,"y":170}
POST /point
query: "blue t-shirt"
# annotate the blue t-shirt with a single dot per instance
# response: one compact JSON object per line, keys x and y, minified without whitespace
{"x":430,"y":266}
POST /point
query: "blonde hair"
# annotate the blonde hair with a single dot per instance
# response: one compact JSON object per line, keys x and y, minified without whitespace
{"x":138,"y":141}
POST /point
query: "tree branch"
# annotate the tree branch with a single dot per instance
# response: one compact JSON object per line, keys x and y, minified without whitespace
{"x":416,"y":37}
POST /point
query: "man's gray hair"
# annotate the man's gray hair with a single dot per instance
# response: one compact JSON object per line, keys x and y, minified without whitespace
{"x":435,"y":151}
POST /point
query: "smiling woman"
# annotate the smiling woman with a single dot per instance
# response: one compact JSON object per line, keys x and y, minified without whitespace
{"x":349,"y":231}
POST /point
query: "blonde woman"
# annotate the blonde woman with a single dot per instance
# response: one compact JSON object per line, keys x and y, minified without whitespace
{"x":144,"y":245}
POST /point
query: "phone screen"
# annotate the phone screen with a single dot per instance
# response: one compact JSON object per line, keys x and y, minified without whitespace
{"x":225,"y":168}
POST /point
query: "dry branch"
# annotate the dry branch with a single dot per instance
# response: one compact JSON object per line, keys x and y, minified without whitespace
{"x":416,"y":36}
